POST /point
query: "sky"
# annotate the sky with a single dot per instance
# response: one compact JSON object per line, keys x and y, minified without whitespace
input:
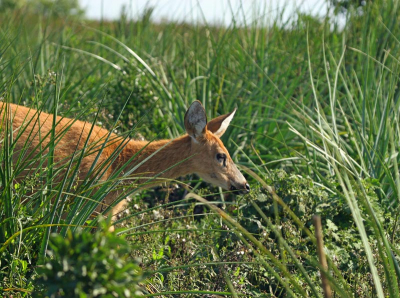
{"x":212,"y":11}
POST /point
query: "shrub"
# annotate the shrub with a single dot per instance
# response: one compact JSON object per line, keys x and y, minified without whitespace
{"x":89,"y":265}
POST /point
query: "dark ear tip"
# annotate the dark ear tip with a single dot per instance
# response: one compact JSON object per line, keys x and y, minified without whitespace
{"x":196,"y":102}
{"x":196,"y":107}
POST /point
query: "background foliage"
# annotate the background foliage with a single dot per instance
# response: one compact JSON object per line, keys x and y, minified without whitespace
{"x":317,"y":131}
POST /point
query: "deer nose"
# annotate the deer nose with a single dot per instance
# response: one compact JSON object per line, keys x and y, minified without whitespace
{"x":247,"y":187}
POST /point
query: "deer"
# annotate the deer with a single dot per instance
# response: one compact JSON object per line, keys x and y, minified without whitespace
{"x":200,"y":151}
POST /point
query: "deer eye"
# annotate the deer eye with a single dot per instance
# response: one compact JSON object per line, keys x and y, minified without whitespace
{"x":221,"y":157}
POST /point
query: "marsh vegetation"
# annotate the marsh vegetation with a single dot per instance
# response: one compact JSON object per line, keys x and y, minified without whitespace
{"x":316,"y":132}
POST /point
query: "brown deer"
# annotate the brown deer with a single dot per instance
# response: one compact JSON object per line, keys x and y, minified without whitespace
{"x":200,"y":151}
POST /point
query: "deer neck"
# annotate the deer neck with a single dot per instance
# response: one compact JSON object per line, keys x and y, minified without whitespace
{"x":171,"y":156}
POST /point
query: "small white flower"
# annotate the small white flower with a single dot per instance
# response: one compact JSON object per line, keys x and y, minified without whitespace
{"x":157,"y":215}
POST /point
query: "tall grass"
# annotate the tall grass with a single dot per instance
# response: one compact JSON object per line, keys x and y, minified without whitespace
{"x":314,"y":100}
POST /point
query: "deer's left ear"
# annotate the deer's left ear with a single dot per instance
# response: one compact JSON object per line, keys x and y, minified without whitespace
{"x":219,"y":125}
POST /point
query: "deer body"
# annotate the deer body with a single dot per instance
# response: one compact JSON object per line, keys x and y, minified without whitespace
{"x":200,"y":151}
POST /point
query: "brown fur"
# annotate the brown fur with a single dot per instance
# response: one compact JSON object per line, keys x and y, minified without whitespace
{"x":31,"y":129}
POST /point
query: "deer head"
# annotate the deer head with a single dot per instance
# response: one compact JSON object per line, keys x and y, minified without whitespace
{"x":212,"y":162}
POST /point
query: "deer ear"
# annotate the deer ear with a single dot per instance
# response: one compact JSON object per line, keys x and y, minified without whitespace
{"x":219,"y":125}
{"x":196,"y":120}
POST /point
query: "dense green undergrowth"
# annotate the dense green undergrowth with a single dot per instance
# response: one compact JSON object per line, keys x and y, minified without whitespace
{"x":316,"y":132}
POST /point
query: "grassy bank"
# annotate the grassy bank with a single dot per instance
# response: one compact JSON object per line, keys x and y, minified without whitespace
{"x":316,"y":132}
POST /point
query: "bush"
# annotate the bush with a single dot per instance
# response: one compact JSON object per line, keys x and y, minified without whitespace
{"x":89,"y":265}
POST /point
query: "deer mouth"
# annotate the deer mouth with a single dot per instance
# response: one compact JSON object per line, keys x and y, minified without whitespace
{"x":244,"y":190}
